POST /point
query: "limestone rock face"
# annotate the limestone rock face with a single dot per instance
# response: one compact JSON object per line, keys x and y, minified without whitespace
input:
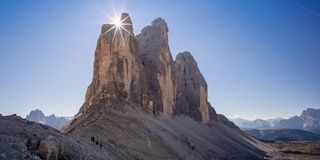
{"x":192,"y":90}
{"x":117,"y":67}
{"x":158,"y":62}
{"x":141,"y":70}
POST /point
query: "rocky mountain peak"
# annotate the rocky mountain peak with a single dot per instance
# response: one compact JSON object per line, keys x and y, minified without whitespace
{"x":139,"y":95}
{"x":311,"y":113}
{"x":160,"y":23}
{"x":309,"y":120}
{"x":51,"y":120}
{"x":141,"y":70}
{"x":192,"y":89}
{"x":157,"y":60}
{"x":126,"y":23}
{"x":36,"y":115}
{"x":117,"y":67}
{"x":125,"y":18}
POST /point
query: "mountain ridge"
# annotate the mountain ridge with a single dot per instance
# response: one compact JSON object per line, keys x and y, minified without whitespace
{"x":257,"y":123}
{"x":51,"y":120}
{"x":283,"y":134}
{"x":309,"y":120}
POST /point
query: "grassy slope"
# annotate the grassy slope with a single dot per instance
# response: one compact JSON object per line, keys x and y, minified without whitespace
{"x":299,"y":149}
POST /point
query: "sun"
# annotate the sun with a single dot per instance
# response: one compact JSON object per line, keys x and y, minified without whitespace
{"x":117,"y":22}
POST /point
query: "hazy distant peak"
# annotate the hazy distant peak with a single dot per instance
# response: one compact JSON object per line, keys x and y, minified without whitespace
{"x":51,"y":120}
{"x":315,"y":113}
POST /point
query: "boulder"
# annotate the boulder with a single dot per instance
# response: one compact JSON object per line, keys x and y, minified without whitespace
{"x":52,"y":148}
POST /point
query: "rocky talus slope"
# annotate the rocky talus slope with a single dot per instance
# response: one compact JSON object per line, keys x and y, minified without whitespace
{"x":23,"y":139}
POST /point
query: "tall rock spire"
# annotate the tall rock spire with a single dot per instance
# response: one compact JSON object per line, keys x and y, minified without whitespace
{"x":117,"y":68}
{"x":157,"y":60}
{"x":192,"y":90}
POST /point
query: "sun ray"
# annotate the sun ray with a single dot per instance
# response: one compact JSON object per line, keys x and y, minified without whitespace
{"x":127,"y":31}
{"x":114,"y":34}
{"x":318,"y":14}
{"x":114,"y":10}
{"x":124,"y":5}
{"x":122,"y":40}
{"x":108,"y":31}
{"x":103,"y":12}
{"x":118,"y":23}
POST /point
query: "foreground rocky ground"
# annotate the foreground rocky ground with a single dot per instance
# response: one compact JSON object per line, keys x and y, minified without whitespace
{"x":139,"y":136}
{"x":22,"y":139}
{"x":126,"y":136}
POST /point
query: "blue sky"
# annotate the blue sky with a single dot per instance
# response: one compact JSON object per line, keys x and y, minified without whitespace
{"x":261,"y":59}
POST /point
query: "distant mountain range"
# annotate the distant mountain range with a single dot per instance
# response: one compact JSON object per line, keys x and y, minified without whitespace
{"x":283,"y":134}
{"x":309,"y":120}
{"x":256,"y":124}
{"x":51,"y":120}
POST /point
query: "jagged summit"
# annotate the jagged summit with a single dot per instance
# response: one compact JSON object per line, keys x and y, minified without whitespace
{"x":159,"y":21}
{"x":309,"y":120}
{"x":144,"y":105}
{"x":125,"y":18}
{"x":141,"y":70}
{"x":126,"y":24}
{"x":51,"y":120}
{"x":158,"y":63}
{"x":192,"y":89}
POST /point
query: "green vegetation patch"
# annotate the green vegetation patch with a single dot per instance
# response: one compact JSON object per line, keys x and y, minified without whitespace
{"x":299,"y":149}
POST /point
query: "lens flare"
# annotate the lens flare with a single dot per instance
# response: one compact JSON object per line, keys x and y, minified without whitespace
{"x":117,"y":23}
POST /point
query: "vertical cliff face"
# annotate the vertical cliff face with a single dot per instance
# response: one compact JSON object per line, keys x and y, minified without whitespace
{"x":117,"y":67}
{"x":141,"y":70}
{"x":157,"y":60}
{"x":192,"y":90}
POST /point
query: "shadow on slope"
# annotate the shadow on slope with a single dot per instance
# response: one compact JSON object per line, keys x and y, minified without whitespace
{"x":128,"y":132}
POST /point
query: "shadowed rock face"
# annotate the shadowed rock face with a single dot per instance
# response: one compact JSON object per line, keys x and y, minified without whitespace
{"x":192,"y":89}
{"x":157,"y":60}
